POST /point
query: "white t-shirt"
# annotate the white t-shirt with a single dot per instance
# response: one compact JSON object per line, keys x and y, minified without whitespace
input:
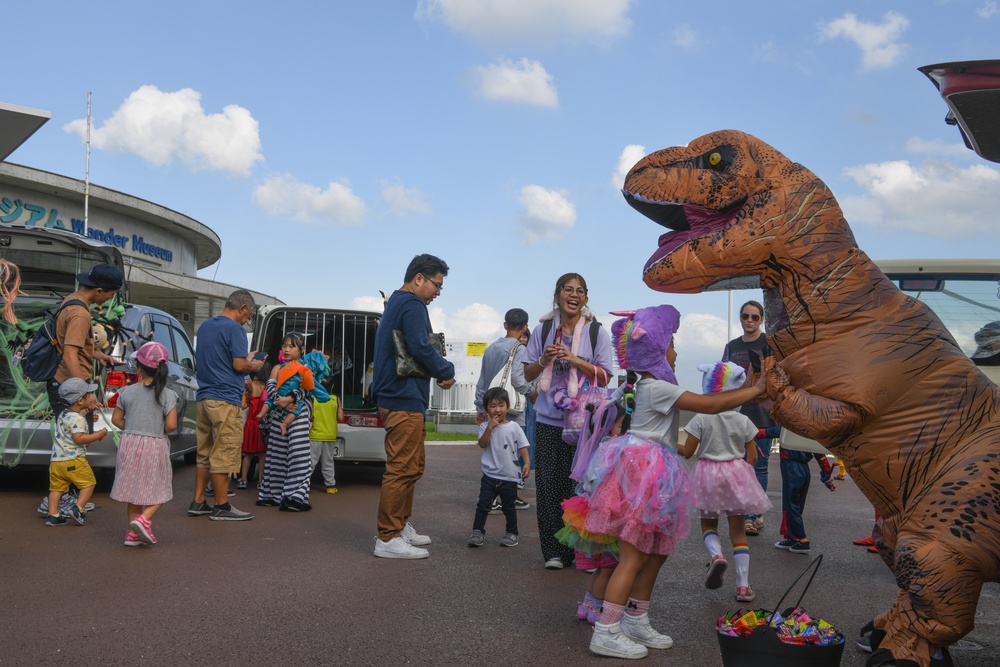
{"x":654,"y":417}
{"x":723,"y":436}
{"x":500,"y":458}
{"x":63,"y":448}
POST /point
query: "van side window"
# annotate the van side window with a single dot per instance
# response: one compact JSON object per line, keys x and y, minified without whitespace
{"x":182,"y":349}
{"x":161,"y":334}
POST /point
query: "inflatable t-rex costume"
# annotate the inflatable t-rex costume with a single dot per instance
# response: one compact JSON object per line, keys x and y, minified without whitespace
{"x":869,"y":372}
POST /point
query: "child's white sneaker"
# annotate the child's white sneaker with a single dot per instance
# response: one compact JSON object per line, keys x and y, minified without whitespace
{"x":638,"y":629}
{"x":609,"y":640}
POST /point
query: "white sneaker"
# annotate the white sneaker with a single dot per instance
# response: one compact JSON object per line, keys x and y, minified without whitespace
{"x":397,"y":547}
{"x":638,"y":629}
{"x":554,"y":564}
{"x":410,"y":535}
{"x":609,"y":640}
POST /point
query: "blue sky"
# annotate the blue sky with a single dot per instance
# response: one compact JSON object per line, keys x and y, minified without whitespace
{"x":329,"y":142}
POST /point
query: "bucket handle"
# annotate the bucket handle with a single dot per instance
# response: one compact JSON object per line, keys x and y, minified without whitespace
{"x":814,"y":566}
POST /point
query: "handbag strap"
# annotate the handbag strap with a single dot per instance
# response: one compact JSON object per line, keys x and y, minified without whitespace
{"x":508,"y":367}
{"x":510,"y":358}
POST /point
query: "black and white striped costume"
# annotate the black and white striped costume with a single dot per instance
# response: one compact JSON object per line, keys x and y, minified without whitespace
{"x":287,"y":468}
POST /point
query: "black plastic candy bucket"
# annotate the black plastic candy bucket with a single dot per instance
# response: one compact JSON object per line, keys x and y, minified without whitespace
{"x":763,"y":648}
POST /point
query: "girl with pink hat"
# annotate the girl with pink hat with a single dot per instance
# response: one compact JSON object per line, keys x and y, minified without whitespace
{"x":145,"y":412}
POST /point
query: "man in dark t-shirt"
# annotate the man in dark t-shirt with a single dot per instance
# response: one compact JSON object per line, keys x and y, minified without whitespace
{"x":737,"y":351}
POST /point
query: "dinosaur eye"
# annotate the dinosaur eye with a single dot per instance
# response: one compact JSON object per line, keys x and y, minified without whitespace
{"x":714,"y":159}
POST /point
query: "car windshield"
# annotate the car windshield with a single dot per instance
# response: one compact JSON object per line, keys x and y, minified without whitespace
{"x":965,"y":304}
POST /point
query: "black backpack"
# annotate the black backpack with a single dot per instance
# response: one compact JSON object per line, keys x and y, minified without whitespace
{"x":594,"y":326}
{"x":42,"y":354}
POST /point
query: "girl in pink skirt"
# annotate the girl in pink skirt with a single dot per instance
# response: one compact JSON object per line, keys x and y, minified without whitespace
{"x":723,"y":482}
{"x":146,"y":412}
{"x":637,"y":486}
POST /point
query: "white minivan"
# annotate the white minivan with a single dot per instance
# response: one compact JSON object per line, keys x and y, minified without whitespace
{"x":347,"y":337}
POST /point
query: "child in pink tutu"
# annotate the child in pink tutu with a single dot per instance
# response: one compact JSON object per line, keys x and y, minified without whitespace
{"x":722,"y":481}
{"x":637,"y":487}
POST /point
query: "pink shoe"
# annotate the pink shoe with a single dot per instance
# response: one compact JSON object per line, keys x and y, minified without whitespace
{"x":744,"y":594}
{"x":143,"y":529}
{"x":594,"y":615}
{"x":582,"y":610}
{"x":716,"y":568}
{"x":131,"y":539}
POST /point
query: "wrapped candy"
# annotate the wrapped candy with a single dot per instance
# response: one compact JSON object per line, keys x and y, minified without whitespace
{"x":797,"y":628}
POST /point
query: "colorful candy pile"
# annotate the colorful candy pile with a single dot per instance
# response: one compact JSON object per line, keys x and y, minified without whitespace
{"x":797,"y":628}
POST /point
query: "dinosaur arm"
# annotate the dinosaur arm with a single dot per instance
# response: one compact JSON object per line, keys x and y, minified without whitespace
{"x":823,"y":419}
{"x":826,"y":420}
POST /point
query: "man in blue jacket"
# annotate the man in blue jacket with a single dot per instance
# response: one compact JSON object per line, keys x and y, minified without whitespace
{"x":402,"y":402}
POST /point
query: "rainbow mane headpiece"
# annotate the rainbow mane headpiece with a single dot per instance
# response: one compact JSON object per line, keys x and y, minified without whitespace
{"x":641,"y":340}
{"x":721,"y":376}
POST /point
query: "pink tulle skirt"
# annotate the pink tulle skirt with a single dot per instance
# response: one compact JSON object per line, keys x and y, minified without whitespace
{"x":639,"y":492}
{"x":591,"y":550}
{"x":727,"y":488}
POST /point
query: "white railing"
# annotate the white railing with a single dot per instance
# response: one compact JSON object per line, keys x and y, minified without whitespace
{"x":460,"y":398}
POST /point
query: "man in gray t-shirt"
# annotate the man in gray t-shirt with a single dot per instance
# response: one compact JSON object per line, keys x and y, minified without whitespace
{"x":496,"y":357}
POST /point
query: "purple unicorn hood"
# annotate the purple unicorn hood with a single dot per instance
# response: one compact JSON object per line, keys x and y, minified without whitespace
{"x":642,"y":337}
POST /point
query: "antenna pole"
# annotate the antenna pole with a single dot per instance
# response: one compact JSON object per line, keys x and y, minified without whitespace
{"x":86,"y":177}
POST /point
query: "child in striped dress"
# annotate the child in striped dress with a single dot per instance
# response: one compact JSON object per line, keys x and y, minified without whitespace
{"x":145,"y":412}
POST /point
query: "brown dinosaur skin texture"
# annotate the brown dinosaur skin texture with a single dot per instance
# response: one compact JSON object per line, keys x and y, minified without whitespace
{"x":867,"y":371}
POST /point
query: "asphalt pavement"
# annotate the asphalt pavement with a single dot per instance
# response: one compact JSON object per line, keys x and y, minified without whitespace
{"x":297,"y":589}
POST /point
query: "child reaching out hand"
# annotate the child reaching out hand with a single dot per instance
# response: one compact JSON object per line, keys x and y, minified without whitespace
{"x":722,"y":481}
{"x":638,"y":487}
{"x":68,"y":464}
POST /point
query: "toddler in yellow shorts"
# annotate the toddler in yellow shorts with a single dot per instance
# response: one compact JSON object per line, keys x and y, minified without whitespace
{"x":68,"y":464}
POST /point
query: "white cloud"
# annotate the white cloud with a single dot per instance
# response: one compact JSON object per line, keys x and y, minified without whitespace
{"x":935,"y":147}
{"x":370,"y":302}
{"x":878,"y":42}
{"x":529,"y":21}
{"x":548,"y":215}
{"x":523,"y":82}
{"x":166,"y":128}
{"x":934,"y":198}
{"x":988,"y":10}
{"x":405,"y":201}
{"x":685,"y":36}
{"x":630,"y":155}
{"x":700,"y":339}
{"x":283,"y":196}
{"x":475,"y":322}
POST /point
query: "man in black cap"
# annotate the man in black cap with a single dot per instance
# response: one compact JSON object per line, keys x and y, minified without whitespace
{"x":73,"y":328}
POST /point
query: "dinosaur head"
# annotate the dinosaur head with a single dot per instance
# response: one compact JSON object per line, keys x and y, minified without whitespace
{"x":722,"y":198}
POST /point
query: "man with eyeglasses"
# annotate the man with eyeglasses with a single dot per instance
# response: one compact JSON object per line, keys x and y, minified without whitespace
{"x":223,"y":360}
{"x":738,"y":351}
{"x":402,"y":403}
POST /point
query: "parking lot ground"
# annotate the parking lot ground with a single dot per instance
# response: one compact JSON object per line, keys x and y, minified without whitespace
{"x":296,"y":589}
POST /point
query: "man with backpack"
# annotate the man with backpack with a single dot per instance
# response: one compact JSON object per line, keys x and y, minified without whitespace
{"x":74,"y":338}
